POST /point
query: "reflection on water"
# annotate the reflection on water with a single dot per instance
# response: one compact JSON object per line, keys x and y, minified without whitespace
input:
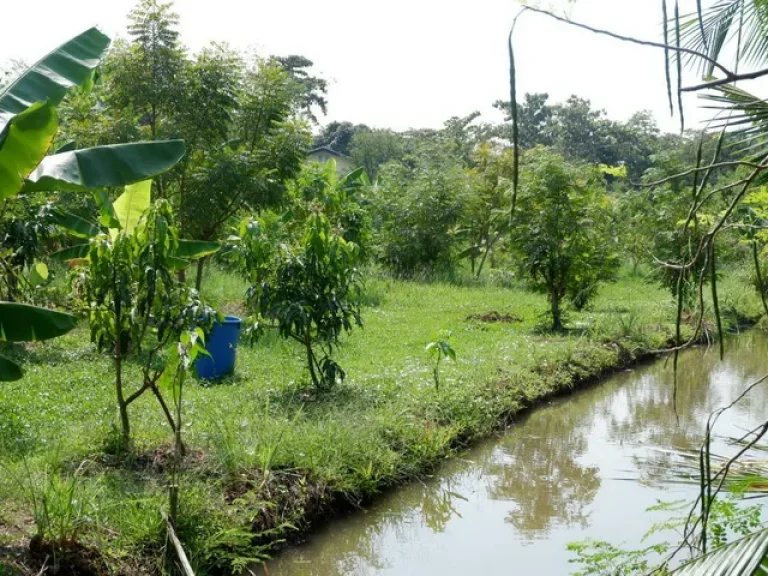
{"x":587,"y":465}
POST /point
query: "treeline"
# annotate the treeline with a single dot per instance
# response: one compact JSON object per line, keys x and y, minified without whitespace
{"x":435,"y":201}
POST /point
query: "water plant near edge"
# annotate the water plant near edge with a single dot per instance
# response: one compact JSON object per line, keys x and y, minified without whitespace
{"x":440,"y":349}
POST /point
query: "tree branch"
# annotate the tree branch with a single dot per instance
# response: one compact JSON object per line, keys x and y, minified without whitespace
{"x":727,"y":80}
{"x":632,"y":40}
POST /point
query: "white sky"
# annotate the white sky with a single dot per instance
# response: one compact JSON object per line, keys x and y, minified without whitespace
{"x":404,"y":63}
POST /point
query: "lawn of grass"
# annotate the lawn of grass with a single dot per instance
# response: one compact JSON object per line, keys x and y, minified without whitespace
{"x":266,"y":456}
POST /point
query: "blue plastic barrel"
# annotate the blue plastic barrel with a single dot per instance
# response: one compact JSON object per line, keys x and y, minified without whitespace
{"x":221,"y":345}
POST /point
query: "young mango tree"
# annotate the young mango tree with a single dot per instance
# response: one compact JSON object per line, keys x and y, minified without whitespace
{"x":303,"y":267}
{"x":126,"y":283}
{"x":311,"y":294}
{"x":562,"y":233}
{"x":28,"y":127}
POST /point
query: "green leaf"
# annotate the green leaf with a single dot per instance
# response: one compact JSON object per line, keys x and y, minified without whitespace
{"x":73,"y":224}
{"x":38,"y":274}
{"x":194,"y":249}
{"x":177,"y":263}
{"x":116,"y":165}
{"x":9,"y":370}
{"x":740,"y":558}
{"x":132,"y":203}
{"x":74,"y":252}
{"x":25,"y":323}
{"x":71,"y":64}
{"x":23,"y":144}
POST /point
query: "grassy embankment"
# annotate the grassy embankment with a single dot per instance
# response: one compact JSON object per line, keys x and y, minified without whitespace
{"x":266,"y":457}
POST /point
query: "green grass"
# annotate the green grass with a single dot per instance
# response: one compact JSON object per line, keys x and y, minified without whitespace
{"x":266,"y":455}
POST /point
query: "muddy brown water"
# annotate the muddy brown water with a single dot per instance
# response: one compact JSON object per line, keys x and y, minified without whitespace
{"x":584,"y":466}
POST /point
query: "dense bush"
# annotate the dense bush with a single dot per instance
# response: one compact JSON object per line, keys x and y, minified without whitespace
{"x":563,"y":232}
{"x":417,"y":207}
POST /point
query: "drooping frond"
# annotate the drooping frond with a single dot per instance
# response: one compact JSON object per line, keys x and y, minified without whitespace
{"x":744,"y":115}
{"x":744,"y":23}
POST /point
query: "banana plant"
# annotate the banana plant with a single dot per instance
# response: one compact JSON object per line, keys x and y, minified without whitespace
{"x":29,"y":124}
{"x":122,"y":216}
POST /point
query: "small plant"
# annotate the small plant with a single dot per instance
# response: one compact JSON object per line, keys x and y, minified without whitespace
{"x":440,"y":349}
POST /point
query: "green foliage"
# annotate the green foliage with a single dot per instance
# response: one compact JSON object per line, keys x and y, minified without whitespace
{"x":562,"y":233}
{"x":338,"y":136}
{"x":28,"y":126}
{"x":417,"y":206}
{"x":127,"y":288}
{"x":310,"y":292}
{"x":487,"y":212}
{"x":371,"y":149}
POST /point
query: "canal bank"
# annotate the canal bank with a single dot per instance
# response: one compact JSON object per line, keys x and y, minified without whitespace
{"x":582,"y":467}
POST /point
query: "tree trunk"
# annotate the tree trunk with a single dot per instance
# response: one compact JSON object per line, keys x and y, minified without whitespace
{"x":121,"y":403}
{"x":199,"y":279}
{"x":557,"y":320}
{"x":311,"y":361}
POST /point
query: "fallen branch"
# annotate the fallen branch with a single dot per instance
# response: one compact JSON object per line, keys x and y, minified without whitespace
{"x":185,"y":565}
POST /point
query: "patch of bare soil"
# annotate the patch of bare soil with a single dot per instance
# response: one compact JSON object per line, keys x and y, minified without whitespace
{"x":494,"y":317}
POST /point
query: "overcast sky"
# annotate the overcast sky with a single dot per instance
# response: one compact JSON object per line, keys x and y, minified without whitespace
{"x":403,"y":63}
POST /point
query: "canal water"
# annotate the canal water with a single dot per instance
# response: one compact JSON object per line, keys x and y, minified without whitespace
{"x":584,"y":466}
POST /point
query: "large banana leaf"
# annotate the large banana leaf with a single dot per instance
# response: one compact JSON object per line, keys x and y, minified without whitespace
{"x":116,"y":165}
{"x":25,"y":323}
{"x":77,"y":252}
{"x":23,"y":144}
{"x":9,"y":370}
{"x":71,"y":64}
{"x":745,"y":557}
{"x":194,"y":249}
{"x":72,"y":223}
{"x":132,"y":203}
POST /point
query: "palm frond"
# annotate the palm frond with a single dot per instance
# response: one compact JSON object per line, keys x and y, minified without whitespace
{"x":743,"y":115}
{"x":744,"y":22}
{"x":745,"y":557}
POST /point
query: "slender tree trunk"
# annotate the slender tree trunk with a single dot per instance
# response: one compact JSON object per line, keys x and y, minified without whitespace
{"x":760,"y":288}
{"x":121,"y":403}
{"x":557,"y":320}
{"x":199,"y":279}
{"x":311,"y":361}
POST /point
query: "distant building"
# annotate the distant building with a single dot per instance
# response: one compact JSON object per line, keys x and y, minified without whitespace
{"x":324,"y":153}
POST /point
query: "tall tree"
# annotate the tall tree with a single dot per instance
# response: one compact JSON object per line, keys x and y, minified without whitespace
{"x":309,"y":91}
{"x":370,"y":150}
{"x":338,"y":136}
{"x":145,"y":74}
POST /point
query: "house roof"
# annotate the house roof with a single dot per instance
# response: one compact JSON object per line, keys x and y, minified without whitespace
{"x":328,"y":150}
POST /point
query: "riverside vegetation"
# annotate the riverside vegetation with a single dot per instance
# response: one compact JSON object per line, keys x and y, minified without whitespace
{"x":266,"y":455}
